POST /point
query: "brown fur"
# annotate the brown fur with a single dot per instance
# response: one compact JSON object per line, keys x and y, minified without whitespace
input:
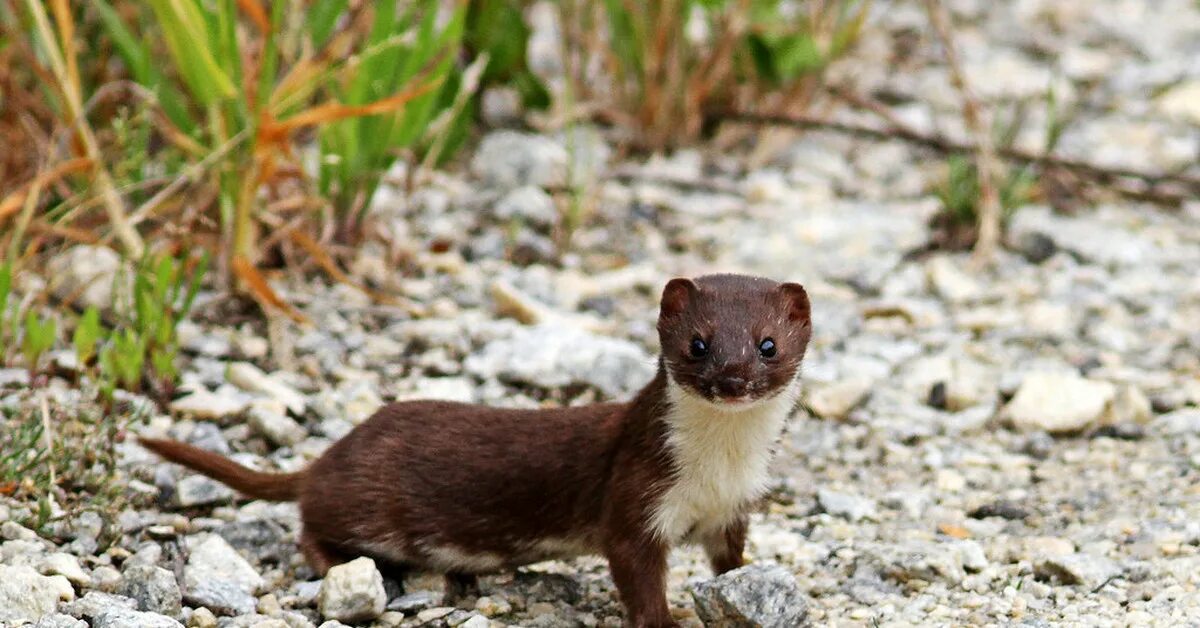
{"x":426,"y":483}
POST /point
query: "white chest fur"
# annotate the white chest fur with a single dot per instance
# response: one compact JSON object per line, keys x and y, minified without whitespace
{"x":720,"y":455}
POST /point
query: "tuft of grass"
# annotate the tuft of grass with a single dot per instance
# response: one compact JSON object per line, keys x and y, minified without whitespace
{"x":37,"y":338}
{"x":64,"y":462}
{"x":408,"y":50}
{"x":959,"y":191}
{"x":674,"y":65}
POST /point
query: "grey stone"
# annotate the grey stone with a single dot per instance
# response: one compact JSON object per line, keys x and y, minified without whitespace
{"x":553,"y":356}
{"x":276,"y":426}
{"x":219,"y":596}
{"x":755,"y":596}
{"x":250,"y":378}
{"x":126,"y":618}
{"x":217,"y":577}
{"x":154,"y":589}
{"x":86,"y":275}
{"x":508,"y":159}
{"x":1088,"y":570}
{"x":198,"y":490}
{"x":26,"y":595}
{"x":851,"y":507}
{"x":352,"y":592}
{"x":59,"y":620}
{"x":530,"y":204}
{"x":415,"y":601}
{"x":1179,"y":422}
{"x":95,"y":603}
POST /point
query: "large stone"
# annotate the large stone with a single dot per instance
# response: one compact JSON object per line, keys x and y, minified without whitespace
{"x":352,"y":592}
{"x":250,"y":378}
{"x":529,"y":204}
{"x":59,"y":620}
{"x":125,"y":618}
{"x":836,"y":400}
{"x":1058,"y":402}
{"x":278,"y":427}
{"x":198,"y":490}
{"x":1088,"y":570}
{"x":217,"y":577}
{"x":26,"y":595}
{"x":1182,"y":102}
{"x":755,"y":596}
{"x":508,"y":159}
{"x":203,"y":404}
{"x":154,"y":589}
{"x":86,"y":274}
{"x":846,"y":505}
{"x":219,"y":596}
{"x":553,"y":356}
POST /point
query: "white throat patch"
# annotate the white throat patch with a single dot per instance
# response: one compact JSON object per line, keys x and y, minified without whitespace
{"x":720,"y":456}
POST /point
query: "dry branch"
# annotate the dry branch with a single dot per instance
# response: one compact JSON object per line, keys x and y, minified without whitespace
{"x":1158,"y":187}
{"x":978,"y":123}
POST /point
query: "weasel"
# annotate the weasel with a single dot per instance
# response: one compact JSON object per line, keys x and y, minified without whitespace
{"x":466,"y":489}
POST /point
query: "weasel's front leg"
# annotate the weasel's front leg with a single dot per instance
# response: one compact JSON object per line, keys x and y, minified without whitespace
{"x":726,"y":545}
{"x":639,"y":569}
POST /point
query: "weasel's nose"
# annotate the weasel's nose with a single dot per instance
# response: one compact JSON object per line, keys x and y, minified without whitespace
{"x":731,"y":386}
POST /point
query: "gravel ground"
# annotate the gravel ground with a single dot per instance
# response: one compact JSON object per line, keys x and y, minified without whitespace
{"x":1013,"y":445}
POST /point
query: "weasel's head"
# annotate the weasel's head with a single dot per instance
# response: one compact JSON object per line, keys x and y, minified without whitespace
{"x":734,"y":340}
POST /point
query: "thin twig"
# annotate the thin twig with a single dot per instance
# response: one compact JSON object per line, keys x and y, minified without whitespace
{"x":978,"y":123}
{"x":1155,"y":182}
{"x":74,"y":104}
{"x":48,"y":437}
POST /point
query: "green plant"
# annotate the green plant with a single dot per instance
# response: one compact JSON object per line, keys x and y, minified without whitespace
{"x":38,"y":338}
{"x":757,"y":55}
{"x":959,"y":191}
{"x":67,"y":458}
{"x":145,"y":345}
{"x":408,"y":51}
{"x":88,"y":332}
{"x":5,"y":290}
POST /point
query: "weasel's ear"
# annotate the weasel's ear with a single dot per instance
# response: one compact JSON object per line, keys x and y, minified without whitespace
{"x":799,"y":309}
{"x":676,"y":296}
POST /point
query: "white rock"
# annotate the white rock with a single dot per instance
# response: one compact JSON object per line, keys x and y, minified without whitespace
{"x":1083,"y":569}
{"x":264,"y":416}
{"x":1058,"y":402}
{"x":66,"y":565}
{"x":213,"y":558}
{"x":125,"y":618}
{"x":1182,"y":102}
{"x":836,"y":400}
{"x":86,"y":274}
{"x":26,"y":595}
{"x":352,"y":592}
{"x":1129,"y":405}
{"x":508,"y":159}
{"x":530,"y":204}
{"x":948,"y":279}
{"x":851,"y":507}
{"x":202,"y":404}
{"x":250,"y":378}
{"x":553,"y":356}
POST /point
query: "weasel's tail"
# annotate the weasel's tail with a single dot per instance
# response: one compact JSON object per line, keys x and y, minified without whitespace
{"x":279,"y":487}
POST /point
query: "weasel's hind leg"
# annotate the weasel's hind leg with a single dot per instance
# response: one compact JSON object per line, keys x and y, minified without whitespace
{"x":320,"y":554}
{"x":460,"y":586}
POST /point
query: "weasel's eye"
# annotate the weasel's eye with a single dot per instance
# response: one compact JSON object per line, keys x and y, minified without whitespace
{"x":766,"y":348}
{"x":699,"y":348}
